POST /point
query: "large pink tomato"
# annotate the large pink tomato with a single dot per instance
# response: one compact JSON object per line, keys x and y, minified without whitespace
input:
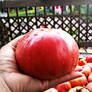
{"x":47,"y":53}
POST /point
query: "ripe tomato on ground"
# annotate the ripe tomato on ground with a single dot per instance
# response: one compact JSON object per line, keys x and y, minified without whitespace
{"x":81,"y":81}
{"x":89,"y":86}
{"x":86,"y":70}
{"x":63,"y":86}
{"x":89,"y":59}
{"x":82,"y":62}
{"x":90,"y":77}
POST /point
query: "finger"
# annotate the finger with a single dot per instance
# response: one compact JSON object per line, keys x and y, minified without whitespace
{"x":65,"y":78}
{"x":12,"y":44}
{"x":7,"y":56}
{"x":7,"y":60}
{"x":41,"y":86}
{"x":15,"y":41}
{"x":78,"y":68}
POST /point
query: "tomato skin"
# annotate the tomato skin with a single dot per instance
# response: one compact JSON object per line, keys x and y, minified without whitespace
{"x":79,"y":89}
{"x":86,"y":70}
{"x":90,"y":77}
{"x":82,"y":62}
{"x":42,"y":53}
{"x":81,"y":81}
{"x":65,"y":86}
{"x":61,"y":90}
{"x":89,"y":59}
{"x":89,"y":86}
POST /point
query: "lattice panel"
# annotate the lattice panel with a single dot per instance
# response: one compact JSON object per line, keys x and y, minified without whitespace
{"x":23,"y":26}
{"x":66,"y":24}
{"x":14,"y":28}
{"x":17,"y":26}
{"x":5,"y":22}
{"x":53,"y":22}
{"x":76,"y":22}
{"x":75,"y":28}
{"x":58,"y":22}
{"x":3,"y":31}
{"x":70,"y":24}
{"x":32,"y":23}
{"x":40,"y":22}
{"x":89,"y":32}
{"x":49,"y":22}
{"x":83,"y":28}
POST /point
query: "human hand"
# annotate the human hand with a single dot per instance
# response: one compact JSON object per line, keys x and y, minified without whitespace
{"x":11,"y":80}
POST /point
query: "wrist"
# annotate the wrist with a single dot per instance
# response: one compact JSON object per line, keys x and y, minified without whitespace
{"x":3,"y":86}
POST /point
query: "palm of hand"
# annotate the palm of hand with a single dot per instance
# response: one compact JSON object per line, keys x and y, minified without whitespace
{"x":18,"y":82}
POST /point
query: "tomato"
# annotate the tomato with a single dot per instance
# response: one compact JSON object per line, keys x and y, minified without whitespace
{"x":79,"y":89}
{"x":90,"y":77}
{"x":65,"y":86}
{"x":82,"y":62}
{"x":81,"y":81}
{"x":61,"y":90}
{"x":89,"y":59}
{"x":45,"y":53}
{"x":89,"y":86}
{"x":86,"y":70}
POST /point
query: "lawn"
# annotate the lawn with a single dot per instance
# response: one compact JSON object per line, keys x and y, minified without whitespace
{"x":49,"y":10}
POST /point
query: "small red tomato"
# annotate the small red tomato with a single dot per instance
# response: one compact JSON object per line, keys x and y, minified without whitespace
{"x":65,"y":85}
{"x":89,"y":86}
{"x":90,"y":77}
{"x":89,"y":59}
{"x":81,"y":81}
{"x":82,"y":62}
{"x":86,"y":70}
{"x":61,"y":90}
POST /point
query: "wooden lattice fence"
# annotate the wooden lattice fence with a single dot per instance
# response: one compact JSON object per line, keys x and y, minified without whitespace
{"x":79,"y":25}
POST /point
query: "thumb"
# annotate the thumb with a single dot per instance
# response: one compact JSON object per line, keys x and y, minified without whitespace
{"x":15,"y":41}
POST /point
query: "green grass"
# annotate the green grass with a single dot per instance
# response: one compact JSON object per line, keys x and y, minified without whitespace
{"x":40,"y":10}
{"x":12,"y":13}
{"x":21,"y":12}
